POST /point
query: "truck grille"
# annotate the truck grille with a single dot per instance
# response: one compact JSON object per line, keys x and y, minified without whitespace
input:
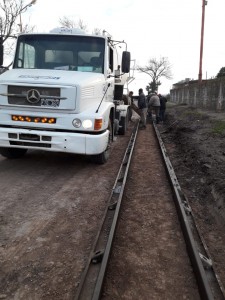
{"x":38,"y":96}
{"x":29,"y":144}
{"x":29,"y":140}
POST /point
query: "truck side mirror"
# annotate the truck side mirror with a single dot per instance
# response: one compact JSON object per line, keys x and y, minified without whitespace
{"x":126,"y":62}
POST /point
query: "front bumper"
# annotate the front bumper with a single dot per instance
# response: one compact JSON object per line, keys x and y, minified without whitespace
{"x":79,"y":143}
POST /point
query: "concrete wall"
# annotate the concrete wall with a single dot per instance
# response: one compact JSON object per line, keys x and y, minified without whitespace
{"x":210,"y":94}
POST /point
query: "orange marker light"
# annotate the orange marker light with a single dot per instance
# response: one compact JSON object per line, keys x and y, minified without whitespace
{"x":98,"y":124}
{"x":15,"y":118}
{"x":52,"y":120}
{"x":33,"y":119}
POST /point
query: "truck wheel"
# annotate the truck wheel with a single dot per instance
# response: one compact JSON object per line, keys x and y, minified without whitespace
{"x":102,"y":158}
{"x":123,"y":125}
{"x":12,"y":152}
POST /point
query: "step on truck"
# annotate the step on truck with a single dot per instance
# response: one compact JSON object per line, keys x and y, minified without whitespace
{"x":63,"y":94}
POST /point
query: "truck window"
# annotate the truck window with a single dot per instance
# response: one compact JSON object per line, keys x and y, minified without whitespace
{"x":90,"y":61}
{"x":26,"y":58}
{"x":60,"y":59}
{"x":65,"y":52}
{"x":111,"y":59}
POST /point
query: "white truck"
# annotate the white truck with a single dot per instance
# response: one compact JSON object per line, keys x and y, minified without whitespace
{"x":63,"y":94}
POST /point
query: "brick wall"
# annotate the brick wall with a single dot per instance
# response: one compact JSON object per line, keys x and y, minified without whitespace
{"x":210,"y":94}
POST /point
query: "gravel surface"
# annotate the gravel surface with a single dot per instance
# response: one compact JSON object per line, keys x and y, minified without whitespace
{"x":51,"y":205}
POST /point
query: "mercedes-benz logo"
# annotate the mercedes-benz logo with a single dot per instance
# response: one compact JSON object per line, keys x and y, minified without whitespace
{"x":33,"y":96}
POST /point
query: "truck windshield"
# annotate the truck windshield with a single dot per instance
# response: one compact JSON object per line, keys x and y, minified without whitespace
{"x":60,"y":52}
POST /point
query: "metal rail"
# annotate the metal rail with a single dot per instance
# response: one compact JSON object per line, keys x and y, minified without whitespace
{"x":91,"y":283}
{"x":210,"y":286}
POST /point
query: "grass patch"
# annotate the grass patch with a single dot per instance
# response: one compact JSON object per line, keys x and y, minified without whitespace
{"x":192,"y":113}
{"x":219,"y":127}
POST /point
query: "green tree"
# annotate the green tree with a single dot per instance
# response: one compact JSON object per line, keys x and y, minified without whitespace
{"x":156,"y":69}
{"x":221,"y":73}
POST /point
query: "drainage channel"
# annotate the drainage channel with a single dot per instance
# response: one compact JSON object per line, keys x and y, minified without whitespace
{"x":91,"y":283}
{"x":209,"y":284}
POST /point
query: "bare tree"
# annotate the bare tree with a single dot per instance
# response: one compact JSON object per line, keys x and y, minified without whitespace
{"x":97,"y":31}
{"x":10,"y":16}
{"x":10,"y":12}
{"x":157,"y":69}
{"x":82,"y":25}
{"x":70,"y":23}
{"x":67,"y":22}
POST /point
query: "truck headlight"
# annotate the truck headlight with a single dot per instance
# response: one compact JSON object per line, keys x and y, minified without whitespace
{"x":87,"y":124}
{"x":77,"y":123}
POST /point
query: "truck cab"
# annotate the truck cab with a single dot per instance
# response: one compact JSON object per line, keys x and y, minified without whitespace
{"x":63,"y":94}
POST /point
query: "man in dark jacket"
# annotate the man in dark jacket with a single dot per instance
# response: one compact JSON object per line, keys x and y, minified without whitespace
{"x":142,"y":105}
{"x":162,"y":110}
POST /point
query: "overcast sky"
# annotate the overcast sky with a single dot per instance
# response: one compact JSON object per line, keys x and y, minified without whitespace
{"x":152,"y":29}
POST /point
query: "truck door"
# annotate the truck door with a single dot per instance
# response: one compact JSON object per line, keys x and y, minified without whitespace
{"x":110,"y":71}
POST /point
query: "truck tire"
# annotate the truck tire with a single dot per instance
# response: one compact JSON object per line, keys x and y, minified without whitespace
{"x":123,"y":125}
{"x":12,"y":152}
{"x":102,"y":158}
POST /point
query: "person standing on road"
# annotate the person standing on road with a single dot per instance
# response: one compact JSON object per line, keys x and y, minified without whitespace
{"x":149,"y":112}
{"x":125,"y":100}
{"x":162,"y":110}
{"x":154,"y":105}
{"x":142,"y":105}
{"x":130,"y":102}
{"x":130,"y":97}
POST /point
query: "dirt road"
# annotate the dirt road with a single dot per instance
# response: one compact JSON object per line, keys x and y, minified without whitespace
{"x":47,"y":202}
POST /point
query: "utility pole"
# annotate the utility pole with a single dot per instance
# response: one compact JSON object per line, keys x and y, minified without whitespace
{"x":204,"y":3}
{"x":21,"y":24}
{"x":23,"y":10}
